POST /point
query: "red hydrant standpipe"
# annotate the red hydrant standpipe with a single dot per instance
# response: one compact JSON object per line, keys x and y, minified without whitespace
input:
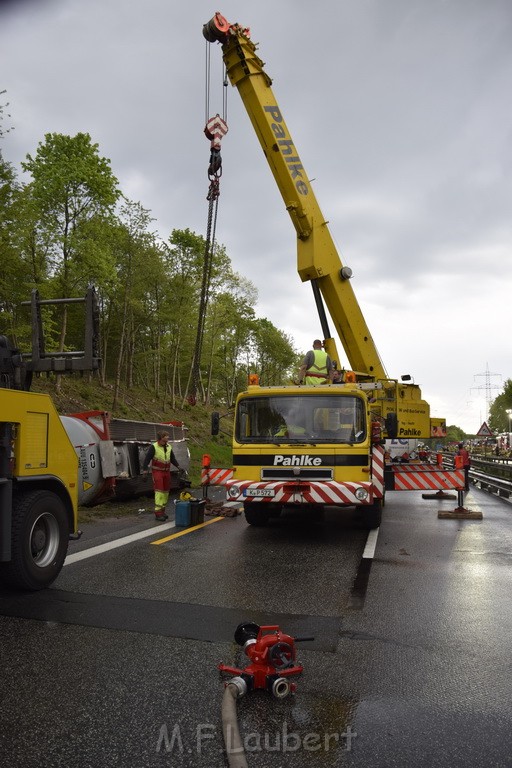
{"x":272,"y":655}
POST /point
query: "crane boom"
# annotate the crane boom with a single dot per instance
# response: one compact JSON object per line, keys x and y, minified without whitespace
{"x":319,"y":445}
{"x":399,"y":404}
{"x":317,"y":257}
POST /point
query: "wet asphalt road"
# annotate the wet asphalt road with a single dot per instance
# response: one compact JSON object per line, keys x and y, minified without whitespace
{"x":116,"y":664}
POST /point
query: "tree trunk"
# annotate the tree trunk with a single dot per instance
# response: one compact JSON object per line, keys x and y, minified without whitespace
{"x":119,"y":366}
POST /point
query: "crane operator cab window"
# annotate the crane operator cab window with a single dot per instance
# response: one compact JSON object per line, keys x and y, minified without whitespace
{"x":301,"y":418}
{"x":341,"y":422}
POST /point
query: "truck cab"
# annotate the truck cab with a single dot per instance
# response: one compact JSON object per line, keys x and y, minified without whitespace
{"x":303,"y":446}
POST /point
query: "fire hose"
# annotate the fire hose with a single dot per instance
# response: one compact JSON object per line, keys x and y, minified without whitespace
{"x":230,"y":729}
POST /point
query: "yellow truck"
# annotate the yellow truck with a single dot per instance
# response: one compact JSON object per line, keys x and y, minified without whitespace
{"x":38,"y":489}
{"x":38,"y":463}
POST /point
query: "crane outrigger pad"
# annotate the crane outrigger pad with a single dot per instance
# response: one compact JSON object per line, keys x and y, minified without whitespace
{"x":460,"y":513}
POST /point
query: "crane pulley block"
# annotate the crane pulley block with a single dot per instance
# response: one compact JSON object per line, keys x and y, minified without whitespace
{"x":214,"y":130}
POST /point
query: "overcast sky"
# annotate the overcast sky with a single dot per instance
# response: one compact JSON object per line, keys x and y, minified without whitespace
{"x":401,"y":110}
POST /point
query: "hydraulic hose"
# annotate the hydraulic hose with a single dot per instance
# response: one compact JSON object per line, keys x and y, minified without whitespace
{"x":232,"y":740}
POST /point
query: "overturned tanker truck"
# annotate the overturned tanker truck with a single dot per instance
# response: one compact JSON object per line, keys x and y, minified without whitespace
{"x":111,"y":454}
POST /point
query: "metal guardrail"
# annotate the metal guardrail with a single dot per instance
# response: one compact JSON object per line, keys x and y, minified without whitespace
{"x":502,"y":488}
{"x":493,"y":475}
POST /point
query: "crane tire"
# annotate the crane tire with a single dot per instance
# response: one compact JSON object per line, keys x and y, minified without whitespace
{"x":372,"y":515}
{"x":255,"y":515}
{"x":40,"y":534}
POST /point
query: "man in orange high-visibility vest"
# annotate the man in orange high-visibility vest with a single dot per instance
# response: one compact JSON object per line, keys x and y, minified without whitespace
{"x":316,"y":367}
{"x":161,"y":457}
{"x":466,"y":464}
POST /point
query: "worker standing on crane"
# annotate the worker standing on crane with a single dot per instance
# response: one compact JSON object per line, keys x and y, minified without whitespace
{"x":161,"y":457}
{"x":317,"y":367}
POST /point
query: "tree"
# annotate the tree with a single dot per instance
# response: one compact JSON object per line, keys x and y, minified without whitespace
{"x":8,"y":272}
{"x":229,"y":329}
{"x":184,"y":263}
{"x":195,"y":286}
{"x":275,"y":355}
{"x":3,"y":130}
{"x":499,"y":420}
{"x":454,"y":434}
{"x":71,"y":186}
{"x":158,"y":303}
{"x":131,"y":305}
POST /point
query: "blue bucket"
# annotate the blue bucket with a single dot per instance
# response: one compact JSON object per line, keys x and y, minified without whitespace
{"x":182,"y":517}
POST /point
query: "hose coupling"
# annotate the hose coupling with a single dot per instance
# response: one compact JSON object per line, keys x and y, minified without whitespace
{"x":240,"y":685}
{"x":281,"y":688}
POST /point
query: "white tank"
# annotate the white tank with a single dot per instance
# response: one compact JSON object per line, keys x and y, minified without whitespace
{"x":113,"y":468}
{"x":91,"y":482}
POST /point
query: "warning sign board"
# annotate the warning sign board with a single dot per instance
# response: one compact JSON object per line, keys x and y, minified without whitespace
{"x":484,"y":431}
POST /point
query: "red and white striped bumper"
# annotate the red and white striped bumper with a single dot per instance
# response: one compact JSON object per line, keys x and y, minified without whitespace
{"x":426,"y":477}
{"x":300,"y":492}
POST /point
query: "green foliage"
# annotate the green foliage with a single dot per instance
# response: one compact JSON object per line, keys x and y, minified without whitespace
{"x":454,"y":434}
{"x":70,"y":180}
{"x":76,"y":395}
{"x":8,"y":274}
{"x":499,"y":419}
{"x":218,"y":448}
{"x":275,"y":356}
{"x":3,"y":114}
{"x":71,"y":185}
{"x":70,"y":226}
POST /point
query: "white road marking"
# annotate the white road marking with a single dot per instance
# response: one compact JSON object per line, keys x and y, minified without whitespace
{"x":371,"y":543}
{"x":93,"y":551}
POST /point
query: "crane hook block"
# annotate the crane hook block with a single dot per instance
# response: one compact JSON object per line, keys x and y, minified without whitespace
{"x":214,"y":130}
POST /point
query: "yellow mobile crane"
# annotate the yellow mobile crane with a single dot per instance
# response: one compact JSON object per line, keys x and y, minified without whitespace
{"x":336,"y":456}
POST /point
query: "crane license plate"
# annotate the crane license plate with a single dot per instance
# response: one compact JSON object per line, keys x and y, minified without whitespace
{"x":259,"y":492}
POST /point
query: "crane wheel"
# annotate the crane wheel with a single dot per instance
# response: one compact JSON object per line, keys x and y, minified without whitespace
{"x":255,"y":514}
{"x":372,"y":515}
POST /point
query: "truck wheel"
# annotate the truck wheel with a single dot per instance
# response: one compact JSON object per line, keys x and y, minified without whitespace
{"x":255,"y":514}
{"x":372,"y":514}
{"x":40,"y":534}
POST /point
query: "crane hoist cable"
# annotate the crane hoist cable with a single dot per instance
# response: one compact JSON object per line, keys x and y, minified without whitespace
{"x":214,"y":130}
